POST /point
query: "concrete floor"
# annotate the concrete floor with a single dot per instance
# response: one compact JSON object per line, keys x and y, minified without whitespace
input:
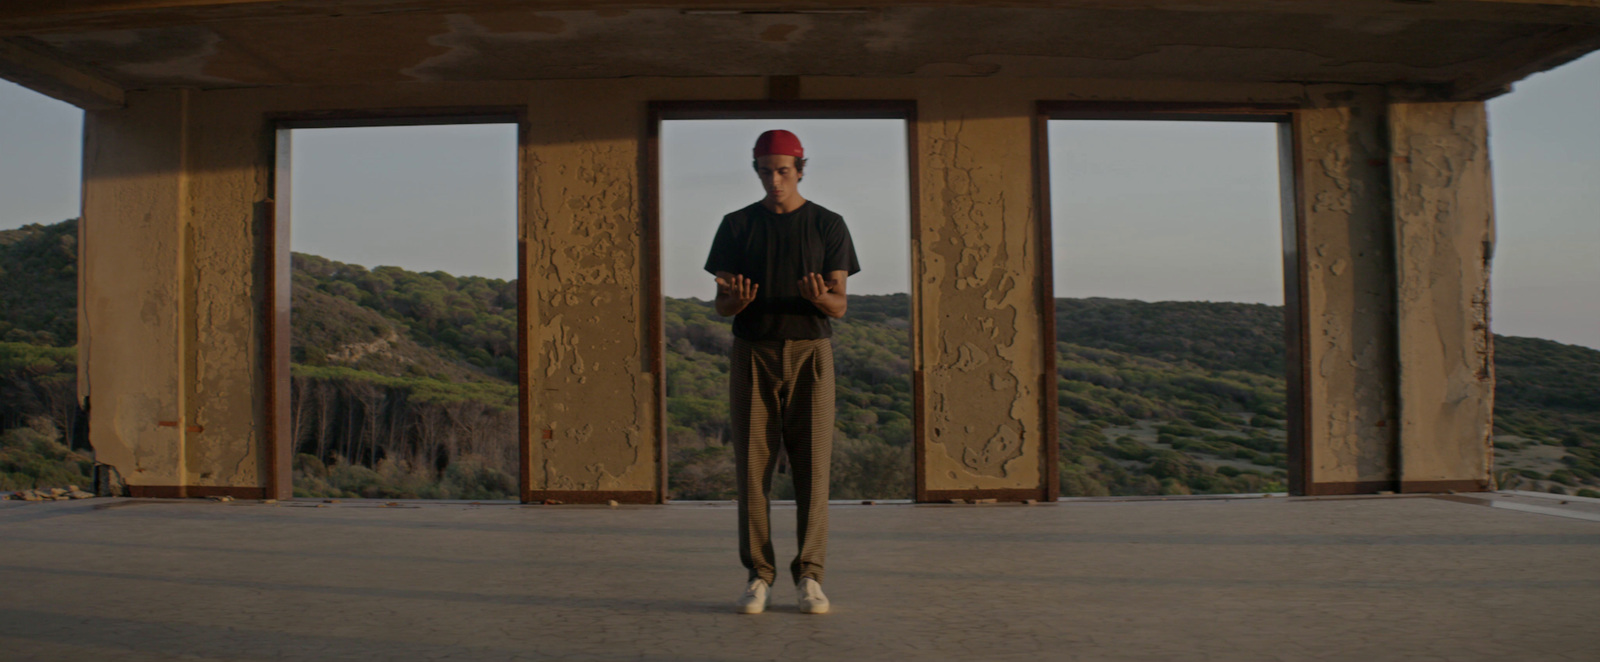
{"x":1413,"y":578}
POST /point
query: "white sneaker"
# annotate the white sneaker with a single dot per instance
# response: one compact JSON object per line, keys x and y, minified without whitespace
{"x":754,"y":600}
{"x":812,"y":601}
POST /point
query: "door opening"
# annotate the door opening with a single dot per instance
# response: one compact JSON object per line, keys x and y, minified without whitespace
{"x":858,"y":166}
{"x":405,"y":339}
{"x":1175,"y":278}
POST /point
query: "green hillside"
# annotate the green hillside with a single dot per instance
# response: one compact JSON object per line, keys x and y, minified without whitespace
{"x":404,"y":386}
{"x":39,"y":284}
{"x":399,"y":322}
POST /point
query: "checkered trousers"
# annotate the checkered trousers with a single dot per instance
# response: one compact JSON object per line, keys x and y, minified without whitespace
{"x":781,"y":394}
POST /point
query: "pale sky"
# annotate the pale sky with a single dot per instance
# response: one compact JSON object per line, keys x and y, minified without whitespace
{"x":427,"y":198}
{"x":1154,"y":211}
{"x":854,"y":167}
{"x":1166,"y":211}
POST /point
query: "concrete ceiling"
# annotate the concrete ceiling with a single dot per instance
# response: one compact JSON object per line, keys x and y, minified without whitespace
{"x":1460,"y":48}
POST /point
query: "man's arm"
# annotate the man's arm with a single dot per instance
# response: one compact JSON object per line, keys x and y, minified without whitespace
{"x":827,"y":294}
{"x":734,"y":292}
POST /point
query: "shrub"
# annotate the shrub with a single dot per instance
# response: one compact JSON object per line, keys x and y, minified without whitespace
{"x":1261,"y":421}
{"x":1128,"y":449}
{"x":1564,"y":477}
{"x":32,"y":458}
{"x":1206,"y":419}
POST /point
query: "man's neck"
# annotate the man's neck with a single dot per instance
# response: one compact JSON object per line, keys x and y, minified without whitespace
{"x":784,"y":206}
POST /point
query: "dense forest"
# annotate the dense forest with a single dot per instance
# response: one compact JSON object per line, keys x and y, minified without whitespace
{"x":403,"y":386}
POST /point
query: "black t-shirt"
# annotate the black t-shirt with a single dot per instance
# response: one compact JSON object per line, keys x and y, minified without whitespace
{"x":776,"y":250}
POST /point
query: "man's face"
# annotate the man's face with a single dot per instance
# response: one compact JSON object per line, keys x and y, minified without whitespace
{"x":778,"y":175}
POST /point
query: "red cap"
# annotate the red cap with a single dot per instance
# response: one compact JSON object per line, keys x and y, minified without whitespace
{"x":778,"y":142}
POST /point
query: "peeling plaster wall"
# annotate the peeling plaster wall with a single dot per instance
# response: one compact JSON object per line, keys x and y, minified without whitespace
{"x":976,"y":261}
{"x":1349,"y":291}
{"x":133,"y":224}
{"x":225,"y":374}
{"x":1444,"y":234}
{"x":594,"y":404}
{"x":174,"y":284}
{"x":979,"y":313}
{"x":174,"y":278}
{"x":593,"y":411}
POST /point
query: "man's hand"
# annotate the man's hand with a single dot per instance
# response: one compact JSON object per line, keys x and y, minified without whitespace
{"x":812,"y":287}
{"x":826,"y":294}
{"x":734,"y":292}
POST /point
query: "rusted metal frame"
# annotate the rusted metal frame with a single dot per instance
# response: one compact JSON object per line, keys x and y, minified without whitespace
{"x":1291,"y":193}
{"x":919,"y":450}
{"x":277,"y":269}
{"x":524,"y":380}
{"x":1439,"y":486}
{"x":919,"y":425}
{"x":831,"y":109}
{"x":1001,"y":494}
{"x":555,"y":497}
{"x":275,"y":302}
{"x":1296,"y":315}
{"x":420,"y":116}
{"x":655,"y":348}
{"x":1048,"y":381}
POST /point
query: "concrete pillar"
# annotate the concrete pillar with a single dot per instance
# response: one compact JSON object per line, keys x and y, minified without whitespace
{"x":1347,"y":294}
{"x":228,"y":186}
{"x":1444,"y":239}
{"x":135,"y":219}
{"x":594,"y":406}
{"x":1397,"y":383}
{"x":978,"y":309}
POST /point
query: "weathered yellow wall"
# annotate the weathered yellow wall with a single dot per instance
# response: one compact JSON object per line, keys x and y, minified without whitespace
{"x":134,"y":216}
{"x":593,"y":390}
{"x":980,"y":310}
{"x":174,"y":283}
{"x":1349,"y":291}
{"x":225,"y":276}
{"x":976,"y":267}
{"x":1444,"y":235}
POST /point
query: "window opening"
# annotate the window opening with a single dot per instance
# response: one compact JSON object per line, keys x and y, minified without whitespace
{"x":1544,"y":302}
{"x":1170,"y":327}
{"x":856,"y":167}
{"x":404,"y":315}
{"x":43,"y":428}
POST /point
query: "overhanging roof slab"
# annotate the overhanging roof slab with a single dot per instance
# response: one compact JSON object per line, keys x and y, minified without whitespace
{"x":1459,"y":48}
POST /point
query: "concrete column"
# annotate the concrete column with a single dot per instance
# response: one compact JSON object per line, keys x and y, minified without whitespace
{"x":229,"y":164}
{"x":1444,"y":238}
{"x":1347,"y":293}
{"x":593,"y":403}
{"x":978,"y":308}
{"x":134,"y":220}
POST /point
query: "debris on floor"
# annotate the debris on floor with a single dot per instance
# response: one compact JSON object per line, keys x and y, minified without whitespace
{"x":51,"y":494}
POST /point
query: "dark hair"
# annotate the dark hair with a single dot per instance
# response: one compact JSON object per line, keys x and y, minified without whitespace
{"x":799,"y":165}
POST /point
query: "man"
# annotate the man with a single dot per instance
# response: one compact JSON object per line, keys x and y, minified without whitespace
{"x":780,"y":267}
